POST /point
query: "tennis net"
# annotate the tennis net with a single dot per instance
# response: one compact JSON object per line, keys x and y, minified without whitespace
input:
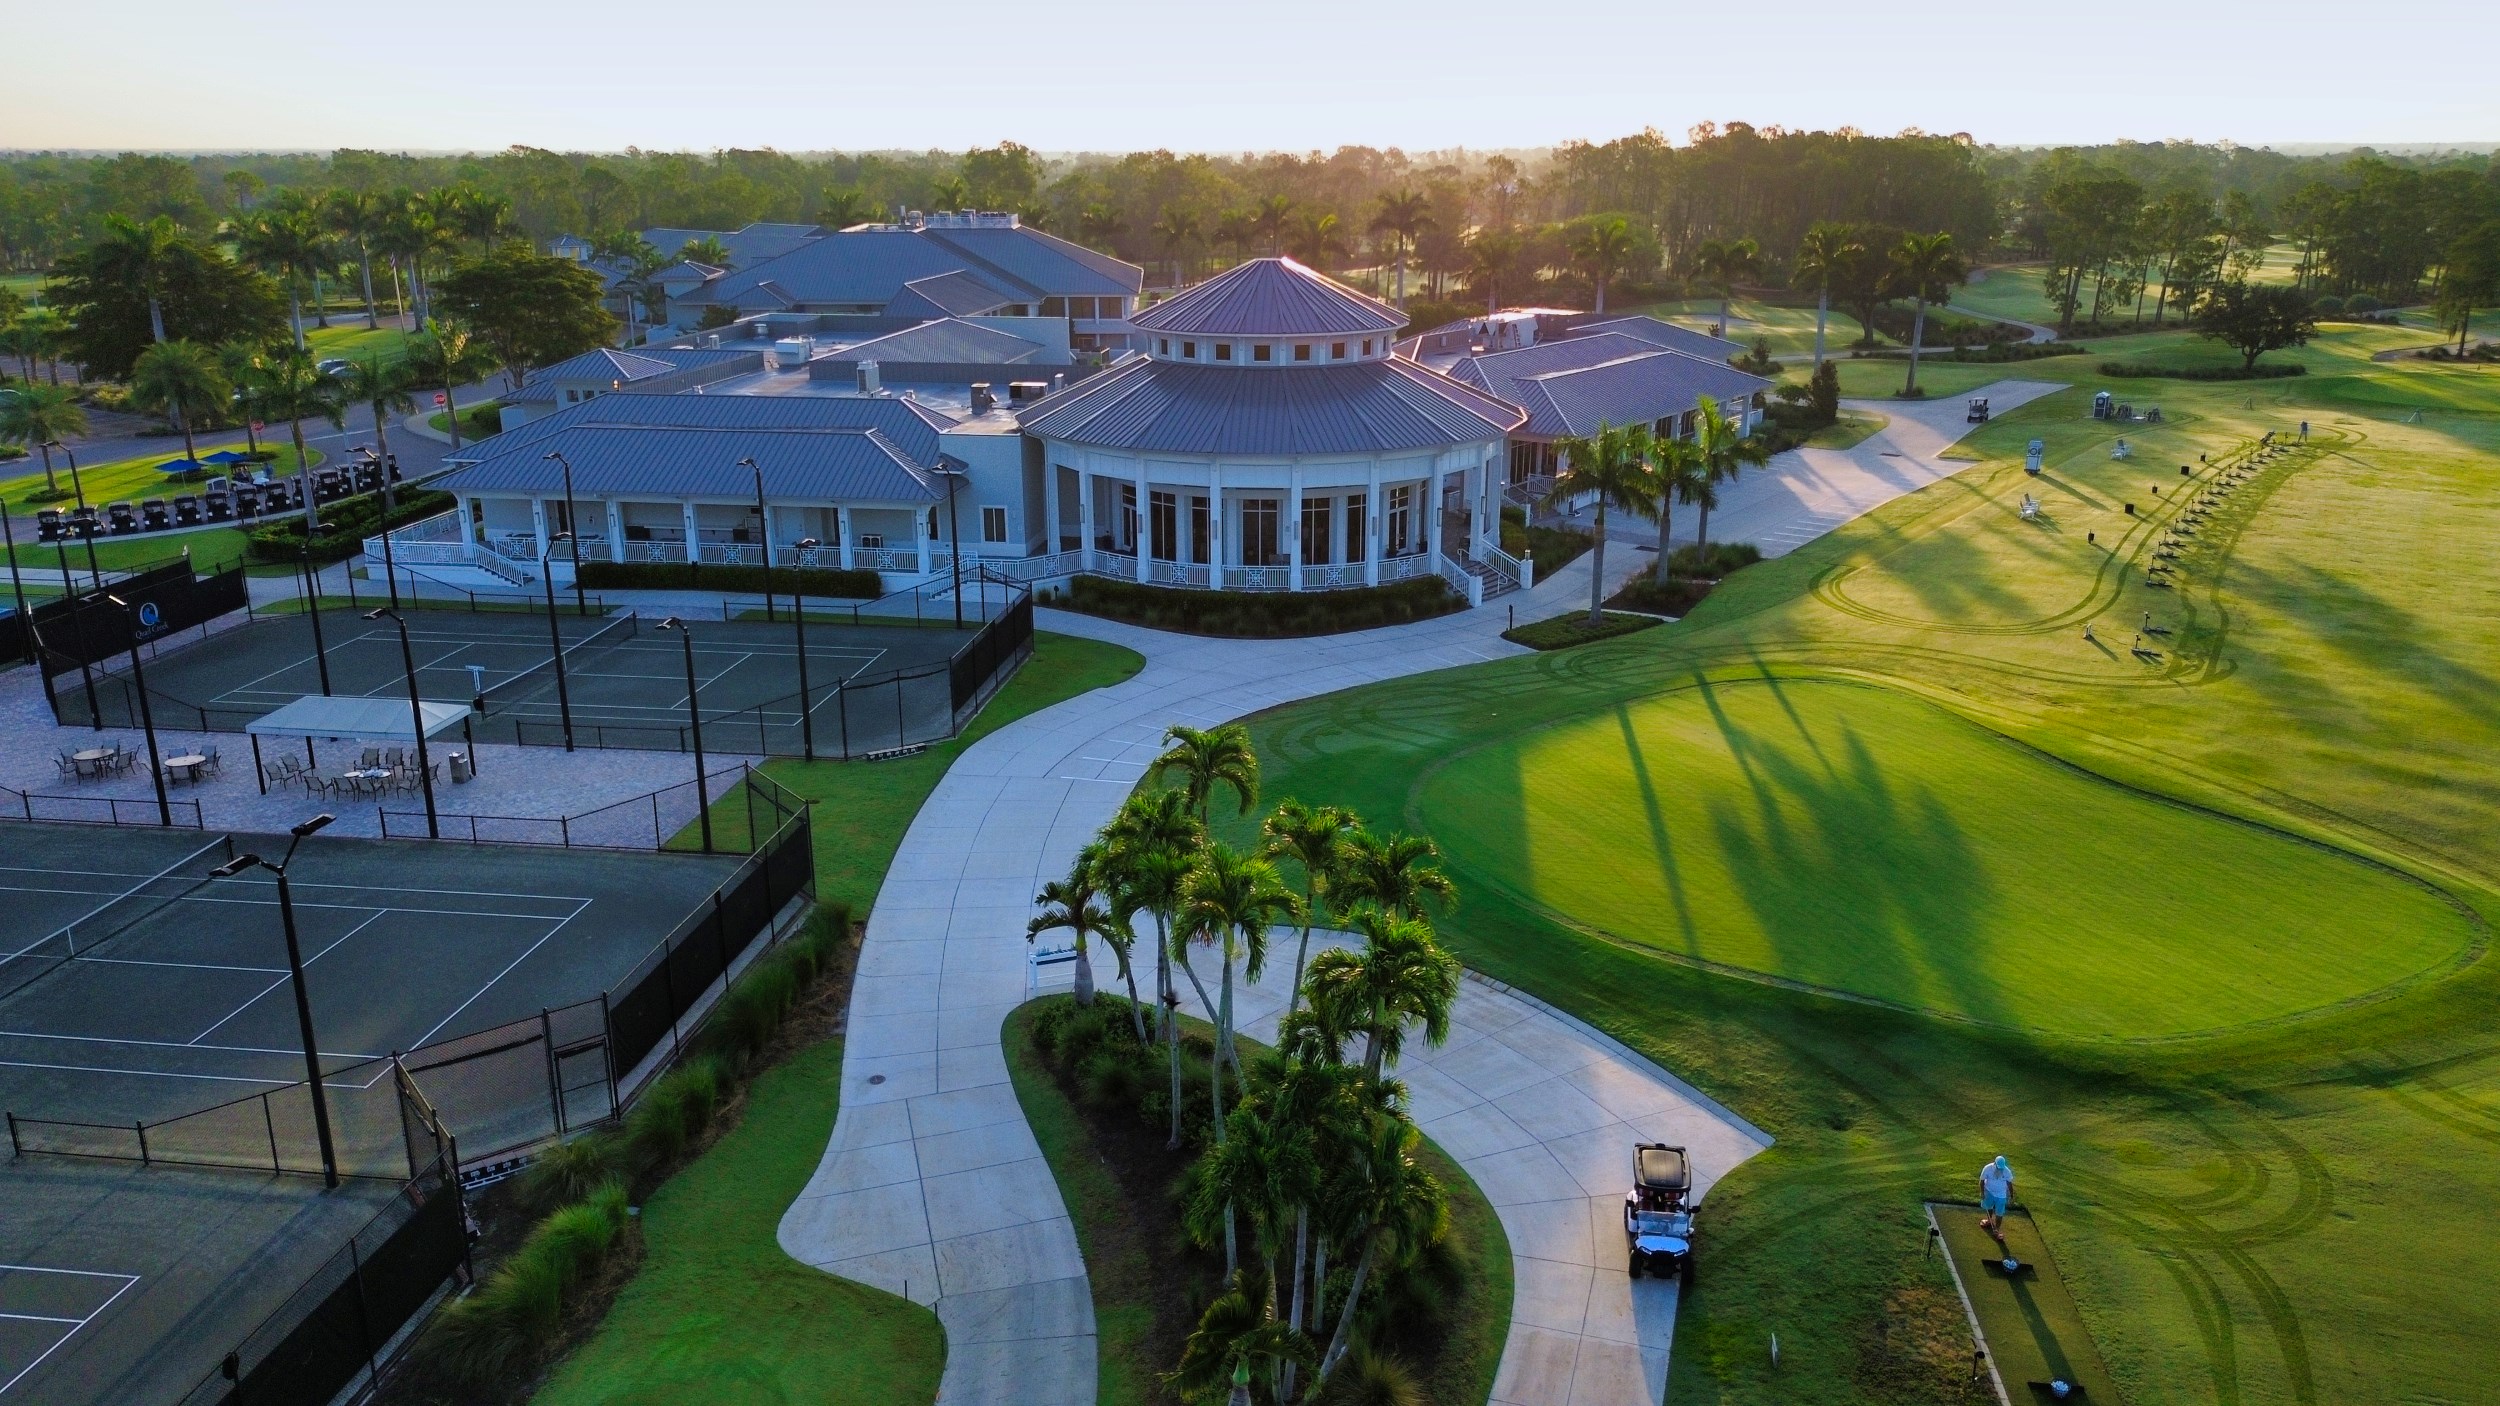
{"x":114,"y":916}
{"x":617,"y":631}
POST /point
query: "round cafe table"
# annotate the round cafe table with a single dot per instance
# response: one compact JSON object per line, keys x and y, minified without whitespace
{"x":92,"y":759}
{"x":186,"y":766}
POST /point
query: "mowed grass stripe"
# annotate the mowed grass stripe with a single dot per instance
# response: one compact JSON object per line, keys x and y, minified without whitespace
{"x":1860,"y":840}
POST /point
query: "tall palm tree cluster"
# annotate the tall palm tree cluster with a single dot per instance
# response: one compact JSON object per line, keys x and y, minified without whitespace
{"x":302,"y":238}
{"x":1309,"y":1180}
{"x":1634,"y":469}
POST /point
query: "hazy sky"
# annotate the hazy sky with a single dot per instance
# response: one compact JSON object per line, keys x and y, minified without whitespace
{"x":1096,"y":75}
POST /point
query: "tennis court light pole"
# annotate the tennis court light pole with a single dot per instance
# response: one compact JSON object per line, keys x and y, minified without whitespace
{"x":572,"y":528}
{"x":147,"y":716}
{"x":555,"y":637}
{"x":390,"y":568}
{"x":17,"y":582}
{"x":303,"y":997}
{"x":798,"y":623}
{"x":416,"y":717}
{"x":763,"y":533}
{"x":80,"y":490}
{"x":955,"y":480}
{"x":694,"y":713}
{"x":312,"y":607}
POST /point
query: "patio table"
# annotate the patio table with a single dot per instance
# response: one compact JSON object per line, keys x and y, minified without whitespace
{"x":187,"y":766}
{"x":92,"y":760}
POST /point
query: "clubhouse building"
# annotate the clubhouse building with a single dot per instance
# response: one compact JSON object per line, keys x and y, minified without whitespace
{"x":1263,"y":430}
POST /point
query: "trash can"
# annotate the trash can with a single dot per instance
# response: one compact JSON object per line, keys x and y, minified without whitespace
{"x":460,"y":771}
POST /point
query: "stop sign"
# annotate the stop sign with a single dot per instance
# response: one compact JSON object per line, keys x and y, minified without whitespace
{"x":440,"y":398}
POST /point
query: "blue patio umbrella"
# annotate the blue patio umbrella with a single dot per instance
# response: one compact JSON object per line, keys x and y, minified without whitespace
{"x":179,"y":468}
{"x":225,"y":456}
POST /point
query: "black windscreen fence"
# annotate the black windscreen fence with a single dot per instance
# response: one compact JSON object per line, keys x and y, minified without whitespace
{"x":1001,"y":645}
{"x":650,"y":1005}
{"x":87,"y":629}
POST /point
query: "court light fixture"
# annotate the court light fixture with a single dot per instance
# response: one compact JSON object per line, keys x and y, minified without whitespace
{"x":295,"y":973}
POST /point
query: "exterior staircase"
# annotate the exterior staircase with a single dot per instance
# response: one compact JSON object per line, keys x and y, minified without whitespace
{"x":1496,"y":584}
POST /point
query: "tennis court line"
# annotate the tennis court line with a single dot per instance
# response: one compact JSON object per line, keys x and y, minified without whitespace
{"x":148,"y":1073}
{"x":428,"y":1037}
{"x":391,"y":907}
{"x":298,"y":1051}
{"x":285,"y":976}
{"x":115,"y":1297}
{"x":182,"y":966}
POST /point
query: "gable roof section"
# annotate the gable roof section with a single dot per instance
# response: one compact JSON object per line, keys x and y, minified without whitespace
{"x":853,"y":464}
{"x":958,"y":294}
{"x":859,"y":267}
{"x":945,"y":339}
{"x":1629,"y":390}
{"x":908,"y":424}
{"x":1270,"y":298}
{"x":1492,"y":371}
{"x":617,"y":367}
{"x":1049,"y":265}
{"x":1659,"y":332}
{"x":1361,"y":407}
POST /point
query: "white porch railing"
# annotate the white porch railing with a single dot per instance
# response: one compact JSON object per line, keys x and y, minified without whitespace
{"x":1463,"y":581}
{"x":1335,"y":576}
{"x":1174,"y":573}
{"x":1405,"y":568}
{"x":1258,"y":578}
{"x":647,"y":553}
{"x":433,"y":541}
{"x":493,"y":560}
{"x":886,"y":559}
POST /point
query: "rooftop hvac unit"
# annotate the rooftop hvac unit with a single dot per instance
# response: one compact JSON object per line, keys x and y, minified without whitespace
{"x":866,"y":375}
{"x":791,"y":353}
{"x":1018,"y":392}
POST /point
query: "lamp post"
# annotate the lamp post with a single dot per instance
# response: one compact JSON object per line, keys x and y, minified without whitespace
{"x":87,"y":534}
{"x":955,"y":530}
{"x":572,"y":530}
{"x":390,"y":566}
{"x":555,"y":638}
{"x":303,"y":997}
{"x":416,"y":717}
{"x":798,"y":626}
{"x":312,"y":607}
{"x":147,"y":716}
{"x":17,"y":583}
{"x":694,"y":714}
{"x":763,"y":532}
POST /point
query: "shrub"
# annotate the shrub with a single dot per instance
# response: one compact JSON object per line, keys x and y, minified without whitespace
{"x":1724,"y":559}
{"x":12,"y":451}
{"x":2138,"y":370}
{"x":1554,"y":547}
{"x":698,"y":576}
{"x":675,"y":1110}
{"x":108,"y":395}
{"x":2362,"y":303}
{"x":514,"y":1315}
{"x":1564,"y":631}
{"x":2331,"y":305}
{"x":1244,"y":614}
{"x":345,"y":524}
{"x":1677,"y":597}
{"x":570,"y":1171}
{"x":1369,"y":1378}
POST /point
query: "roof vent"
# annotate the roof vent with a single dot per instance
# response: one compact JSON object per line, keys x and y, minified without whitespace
{"x":982,"y":401}
{"x":866,"y":375}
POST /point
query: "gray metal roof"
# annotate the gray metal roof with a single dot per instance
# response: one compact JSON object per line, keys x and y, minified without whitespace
{"x":1270,"y":298}
{"x":1605,"y":386}
{"x":957,"y":294}
{"x":1660,"y":333}
{"x":1363,"y":407}
{"x":1053,"y":266}
{"x":908,"y":424}
{"x":870,"y":267}
{"x":614,"y":366}
{"x":747,"y":247}
{"x":945,"y":339}
{"x":610,"y":461}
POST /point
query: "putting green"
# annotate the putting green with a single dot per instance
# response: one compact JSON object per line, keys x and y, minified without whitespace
{"x":1858,"y":839}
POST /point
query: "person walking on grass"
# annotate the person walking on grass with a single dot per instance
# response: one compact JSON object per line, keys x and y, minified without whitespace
{"x":1996,"y":1192}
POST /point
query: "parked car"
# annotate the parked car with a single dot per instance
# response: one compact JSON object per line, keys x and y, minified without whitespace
{"x":1658,"y":1215}
{"x":334,"y":366}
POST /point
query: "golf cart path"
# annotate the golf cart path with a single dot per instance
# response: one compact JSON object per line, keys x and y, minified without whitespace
{"x":932,"y":1185}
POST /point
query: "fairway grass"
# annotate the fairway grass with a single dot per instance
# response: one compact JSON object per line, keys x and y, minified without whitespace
{"x":1859,"y":840}
{"x":2258,"y":1208}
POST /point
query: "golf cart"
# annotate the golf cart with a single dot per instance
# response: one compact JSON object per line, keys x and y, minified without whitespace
{"x":1657,"y":1215}
{"x":1978,"y":410}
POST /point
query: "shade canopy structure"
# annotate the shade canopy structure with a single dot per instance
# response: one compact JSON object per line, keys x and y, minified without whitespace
{"x":178,"y":467}
{"x":374,"y":719}
{"x":225,"y":456}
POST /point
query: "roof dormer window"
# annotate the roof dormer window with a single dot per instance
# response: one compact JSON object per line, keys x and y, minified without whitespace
{"x":1336,"y":351}
{"x":1189,"y":351}
{"x":1367,"y":346}
{"x":1301,"y":351}
{"x":1223,"y":351}
{"x":1262,"y":352}
{"x":1163,"y":346}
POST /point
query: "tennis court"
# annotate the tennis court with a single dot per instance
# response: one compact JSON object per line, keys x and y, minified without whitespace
{"x":869,"y":687}
{"x":133,"y":987}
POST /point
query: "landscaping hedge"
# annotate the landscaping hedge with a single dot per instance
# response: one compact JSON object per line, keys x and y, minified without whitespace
{"x":697,"y":576}
{"x":344,"y":526}
{"x":2138,"y":370}
{"x":1243,"y":614}
{"x":1554,"y":547}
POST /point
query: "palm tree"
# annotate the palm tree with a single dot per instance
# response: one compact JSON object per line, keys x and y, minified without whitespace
{"x":1393,"y":1207}
{"x":24,"y":339}
{"x":1238,"y":1344}
{"x":1602,"y":248}
{"x":357,"y":217}
{"x":841,"y":207}
{"x":1230,"y":899}
{"x":1400,"y":976}
{"x":1393,"y":873}
{"x":474,"y":214}
{"x":1724,"y":263}
{"x":387,"y":387}
{"x":1925,"y":266}
{"x":179,"y":379}
{"x":1076,"y":904}
{"x":1822,"y":257}
{"x":1259,"y":1171}
{"x":1682,"y":478}
{"x":1726,"y":450}
{"x":36,"y":416}
{"x":450,"y":355}
{"x":1236,"y":230}
{"x":1608,"y":467}
{"x":1403,"y":216}
{"x":407,"y":235}
{"x":139,"y":255}
{"x":1313,"y":837}
{"x":284,"y":245}
{"x":1317,"y":240}
{"x":949,"y":194}
{"x":1208,"y":758}
{"x":1268,"y":221}
{"x":1489,"y":256}
{"x":1152,"y":843}
{"x":293,"y":388}
{"x":1175,"y":231}
{"x":707,"y":250}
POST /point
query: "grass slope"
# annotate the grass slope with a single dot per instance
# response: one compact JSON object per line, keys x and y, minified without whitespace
{"x":132,"y":480}
{"x":720,"y":1314}
{"x":2240,"y":1213}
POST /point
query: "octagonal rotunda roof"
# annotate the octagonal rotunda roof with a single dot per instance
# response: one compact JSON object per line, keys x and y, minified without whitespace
{"x":1269,"y":298}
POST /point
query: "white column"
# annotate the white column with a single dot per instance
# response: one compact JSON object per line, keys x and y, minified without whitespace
{"x":920,"y":536}
{"x":616,"y":530}
{"x":538,"y":524}
{"x":692,"y":551}
{"x":1215,"y":524}
{"x":1372,"y":522}
{"x":1432,"y":520}
{"x":1085,"y":510}
{"x":1143,"y":537}
{"x":842,"y":533}
{"x":1293,"y":526}
{"x":1050,"y":508}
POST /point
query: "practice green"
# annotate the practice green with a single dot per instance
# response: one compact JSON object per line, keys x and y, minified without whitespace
{"x":1856,"y":839}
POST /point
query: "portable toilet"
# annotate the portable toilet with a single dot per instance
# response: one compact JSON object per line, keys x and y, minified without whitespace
{"x":2102,"y":407}
{"x":2032,"y":456}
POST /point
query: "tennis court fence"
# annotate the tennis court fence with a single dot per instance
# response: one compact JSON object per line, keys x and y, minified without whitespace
{"x":31,"y":962}
{"x":95,"y":810}
{"x":748,"y":814}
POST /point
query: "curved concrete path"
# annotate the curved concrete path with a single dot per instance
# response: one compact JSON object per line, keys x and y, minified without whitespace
{"x":933,"y":1186}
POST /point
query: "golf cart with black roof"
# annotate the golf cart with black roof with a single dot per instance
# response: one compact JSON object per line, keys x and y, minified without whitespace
{"x":1658,"y":1214}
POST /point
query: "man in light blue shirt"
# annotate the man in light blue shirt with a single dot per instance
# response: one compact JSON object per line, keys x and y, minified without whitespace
{"x":1996,"y":1192}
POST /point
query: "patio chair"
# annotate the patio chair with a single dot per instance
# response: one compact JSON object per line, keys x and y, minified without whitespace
{"x":69,"y":769}
{"x":395,"y":758}
{"x":373,"y":757}
{"x":216,"y":763}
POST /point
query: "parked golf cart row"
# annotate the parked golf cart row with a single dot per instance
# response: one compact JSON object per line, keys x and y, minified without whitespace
{"x":219,"y":500}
